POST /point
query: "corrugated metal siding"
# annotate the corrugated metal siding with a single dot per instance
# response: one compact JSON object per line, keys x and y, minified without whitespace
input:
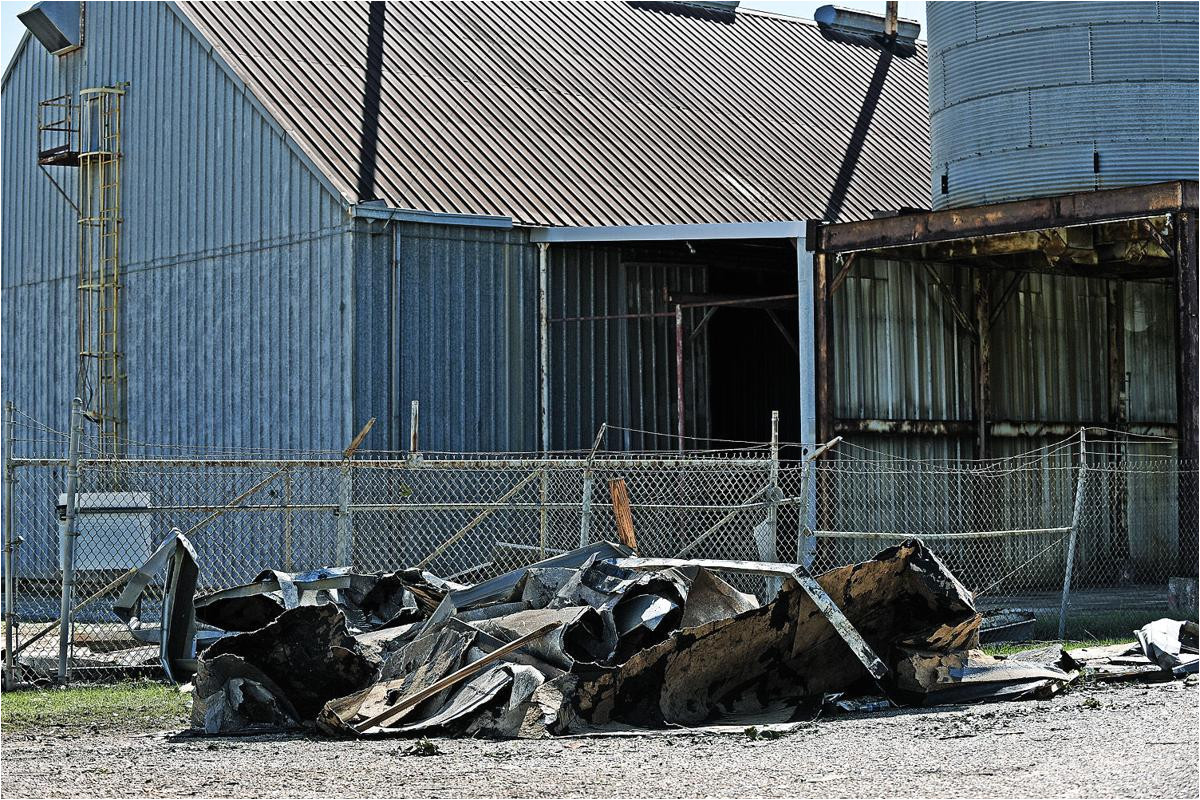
{"x":1049,"y":351}
{"x":588,"y":113}
{"x":1150,"y":315}
{"x":900,"y":354}
{"x":1022,"y":95}
{"x":466,"y":316}
{"x":898,"y":351}
{"x":622,"y":371}
{"x":235,"y":256}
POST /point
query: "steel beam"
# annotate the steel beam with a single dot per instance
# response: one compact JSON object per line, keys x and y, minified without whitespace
{"x":1082,"y":208}
{"x":670,"y":233}
{"x":1187,"y":398}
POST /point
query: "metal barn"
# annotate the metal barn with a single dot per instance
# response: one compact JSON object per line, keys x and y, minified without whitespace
{"x":533,"y":218}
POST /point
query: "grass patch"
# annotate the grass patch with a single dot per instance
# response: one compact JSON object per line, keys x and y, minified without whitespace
{"x":1114,"y":626}
{"x":140,"y":705}
{"x":1008,"y":648}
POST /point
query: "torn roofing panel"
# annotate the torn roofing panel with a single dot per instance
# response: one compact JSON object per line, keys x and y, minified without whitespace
{"x":584,"y":113}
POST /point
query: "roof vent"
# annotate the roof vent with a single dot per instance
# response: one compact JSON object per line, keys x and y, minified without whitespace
{"x":58,"y":26}
{"x":707,"y":9}
{"x":870,"y":30}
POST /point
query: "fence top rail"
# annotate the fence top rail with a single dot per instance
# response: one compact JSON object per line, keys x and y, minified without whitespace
{"x":551,"y":462}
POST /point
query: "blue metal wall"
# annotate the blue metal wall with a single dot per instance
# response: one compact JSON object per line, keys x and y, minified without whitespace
{"x":465,"y":338}
{"x":236,"y":256}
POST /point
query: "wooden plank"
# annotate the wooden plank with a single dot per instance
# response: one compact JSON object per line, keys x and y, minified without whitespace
{"x":622,"y":513}
{"x":452,"y":679}
{"x":357,"y":440}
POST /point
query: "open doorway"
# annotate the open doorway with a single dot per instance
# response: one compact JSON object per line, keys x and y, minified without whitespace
{"x":753,"y":366}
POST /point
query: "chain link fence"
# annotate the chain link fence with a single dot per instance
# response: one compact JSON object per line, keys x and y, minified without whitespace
{"x":1005,"y":527}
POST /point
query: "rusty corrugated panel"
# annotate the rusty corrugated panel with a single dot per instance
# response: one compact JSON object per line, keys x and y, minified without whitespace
{"x":579,"y":113}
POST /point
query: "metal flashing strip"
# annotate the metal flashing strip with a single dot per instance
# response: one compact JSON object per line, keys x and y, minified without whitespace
{"x":671,"y":233}
{"x":381,"y":212}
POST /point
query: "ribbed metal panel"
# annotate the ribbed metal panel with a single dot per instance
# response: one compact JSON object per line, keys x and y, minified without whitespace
{"x":466,"y":317}
{"x":235,"y":255}
{"x":1048,"y":352}
{"x":586,"y":113}
{"x":622,"y":371}
{"x":1048,"y":98}
{"x":1150,"y":351}
{"x":898,"y":351}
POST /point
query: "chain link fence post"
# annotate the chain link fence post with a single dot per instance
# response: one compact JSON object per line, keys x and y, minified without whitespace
{"x":1074,"y":535}
{"x":67,"y":553}
{"x":287,"y":519}
{"x":770,"y":548}
{"x":543,"y":520}
{"x":585,"y":510}
{"x":344,"y":547}
{"x":10,"y":555}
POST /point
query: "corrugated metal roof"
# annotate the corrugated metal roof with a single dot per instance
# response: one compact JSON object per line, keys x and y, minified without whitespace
{"x":588,"y":113}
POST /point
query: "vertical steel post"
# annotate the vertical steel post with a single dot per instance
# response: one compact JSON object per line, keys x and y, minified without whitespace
{"x":543,"y":521}
{"x":983,"y":363}
{"x":805,"y":543}
{"x":1071,"y":539}
{"x":1187,"y":398}
{"x":287,"y":519}
{"x":544,"y":342}
{"x":773,"y":493}
{"x":680,"y":405}
{"x":10,"y":560}
{"x":585,"y":516}
{"x":344,"y":546}
{"x":66,"y":624}
{"x":414,"y":427}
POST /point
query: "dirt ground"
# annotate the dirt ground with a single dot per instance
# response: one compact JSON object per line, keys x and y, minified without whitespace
{"x":1117,"y":740}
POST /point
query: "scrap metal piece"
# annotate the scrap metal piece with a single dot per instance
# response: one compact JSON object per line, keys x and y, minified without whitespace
{"x":307,"y":652}
{"x":965,"y":676}
{"x":176,"y":631}
{"x":786,"y":650}
{"x":233,"y":696}
{"x":407,"y":702}
{"x":368,"y":601}
{"x":578,"y":637}
{"x":1162,"y":641}
{"x":709,"y":598}
{"x":801,"y":576}
{"x":507,"y":587}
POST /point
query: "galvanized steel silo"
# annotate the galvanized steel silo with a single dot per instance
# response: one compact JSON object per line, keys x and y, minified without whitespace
{"x":1046,"y":98}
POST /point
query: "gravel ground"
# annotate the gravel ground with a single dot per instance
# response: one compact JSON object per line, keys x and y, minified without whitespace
{"x":1120,"y":740}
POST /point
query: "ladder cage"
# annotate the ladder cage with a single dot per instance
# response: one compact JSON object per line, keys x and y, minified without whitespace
{"x":101,"y":379}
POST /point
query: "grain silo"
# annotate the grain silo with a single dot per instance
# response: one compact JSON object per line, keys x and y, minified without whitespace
{"x":1040,"y":99}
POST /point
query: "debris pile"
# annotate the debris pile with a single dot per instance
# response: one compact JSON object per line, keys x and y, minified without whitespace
{"x":1165,"y":647}
{"x":592,"y":639}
